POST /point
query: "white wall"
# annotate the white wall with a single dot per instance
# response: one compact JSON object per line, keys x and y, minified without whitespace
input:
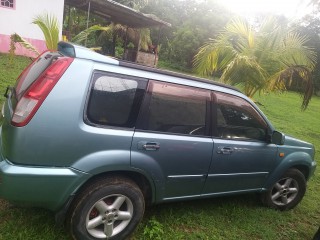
{"x":19,"y":20}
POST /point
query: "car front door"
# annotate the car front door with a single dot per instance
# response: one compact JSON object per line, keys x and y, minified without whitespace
{"x":172,"y":139}
{"x":242,"y":158}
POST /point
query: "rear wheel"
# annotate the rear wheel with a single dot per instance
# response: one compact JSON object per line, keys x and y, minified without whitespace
{"x":287,"y":192}
{"x":107,"y":209}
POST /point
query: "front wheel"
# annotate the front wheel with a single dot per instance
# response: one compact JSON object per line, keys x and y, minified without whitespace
{"x":287,"y":192}
{"x":107,"y":209}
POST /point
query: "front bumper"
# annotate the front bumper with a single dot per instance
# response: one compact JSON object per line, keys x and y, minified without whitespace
{"x":42,"y":187}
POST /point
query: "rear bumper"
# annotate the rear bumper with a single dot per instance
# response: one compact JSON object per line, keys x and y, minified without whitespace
{"x":43,"y":187}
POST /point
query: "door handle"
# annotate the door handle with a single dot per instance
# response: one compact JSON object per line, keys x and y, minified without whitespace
{"x":149,"y":146}
{"x":225,"y":150}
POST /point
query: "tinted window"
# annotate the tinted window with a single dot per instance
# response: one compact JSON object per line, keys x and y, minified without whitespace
{"x":115,"y":100}
{"x":237,"y":119}
{"x":176,"y":109}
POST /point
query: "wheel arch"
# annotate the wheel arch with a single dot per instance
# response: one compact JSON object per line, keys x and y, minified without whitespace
{"x":147,"y":188}
{"x":300,"y":161}
{"x":304,"y":169}
{"x":287,"y":192}
{"x":129,"y":185}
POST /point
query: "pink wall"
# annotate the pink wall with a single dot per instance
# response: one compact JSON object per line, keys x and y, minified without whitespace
{"x":40,"y":45}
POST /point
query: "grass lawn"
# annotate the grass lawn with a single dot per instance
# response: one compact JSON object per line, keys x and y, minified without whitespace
{"x":237,"y":217}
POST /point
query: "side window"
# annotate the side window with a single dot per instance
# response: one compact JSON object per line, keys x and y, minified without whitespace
{"x":176,"y":109}
{"x":237,"y":119}
{"x":115,"y":100}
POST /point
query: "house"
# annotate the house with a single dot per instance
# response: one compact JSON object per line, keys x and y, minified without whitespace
{"x":16,"y":16}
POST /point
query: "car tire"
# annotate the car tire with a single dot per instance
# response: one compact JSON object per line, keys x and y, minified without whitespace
{"x":106,"y":209}
{"x":287,"y":192}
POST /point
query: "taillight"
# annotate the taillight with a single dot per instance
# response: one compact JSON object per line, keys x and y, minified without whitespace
{"x":26,"y":71}
{"x":38,"y":91}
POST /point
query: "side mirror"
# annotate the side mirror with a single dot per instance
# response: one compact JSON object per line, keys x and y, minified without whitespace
{"x":277,"y":138}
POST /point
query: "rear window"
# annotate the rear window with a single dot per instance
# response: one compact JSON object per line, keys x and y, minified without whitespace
{"x":33,"y":71}
{"x":115,"y":100}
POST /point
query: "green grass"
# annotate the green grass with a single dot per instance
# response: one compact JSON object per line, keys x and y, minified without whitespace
{"x":237,"y":217}
{"x":9,"y":72}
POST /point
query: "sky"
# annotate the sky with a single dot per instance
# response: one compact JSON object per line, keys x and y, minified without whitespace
{"x":292,"y":9}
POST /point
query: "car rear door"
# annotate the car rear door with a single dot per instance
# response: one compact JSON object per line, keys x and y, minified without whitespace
{"x":171,"y":141}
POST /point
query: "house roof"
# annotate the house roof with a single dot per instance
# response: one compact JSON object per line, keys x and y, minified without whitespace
{"x":119,"y":13}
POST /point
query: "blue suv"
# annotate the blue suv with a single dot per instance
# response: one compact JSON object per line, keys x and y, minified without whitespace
{"x":95,"y":140}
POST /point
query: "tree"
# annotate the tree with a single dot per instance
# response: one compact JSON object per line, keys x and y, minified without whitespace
{"x":108,"y":37}
{"x":75,"y":21}
{"x":268,"y":58}
{"x":310,"y":25}
{"x":136,"y":4}
{"x":114,"y":32}
{"x":193,"y":23}
{"x":50,"y":28}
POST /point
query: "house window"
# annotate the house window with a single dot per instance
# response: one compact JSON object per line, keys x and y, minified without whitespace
{"x":8,"y":3}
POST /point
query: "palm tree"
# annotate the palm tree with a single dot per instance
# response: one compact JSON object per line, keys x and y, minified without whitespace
{"x":268,"y":58}
{"x":49,"y":26}
{"x":50,"y":29}
{"x":83,"y":35}
{"x":15,"y":38}
{"x":117,"y":30}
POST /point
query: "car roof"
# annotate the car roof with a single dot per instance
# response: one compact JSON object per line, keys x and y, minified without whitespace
{"x":76,"y":51}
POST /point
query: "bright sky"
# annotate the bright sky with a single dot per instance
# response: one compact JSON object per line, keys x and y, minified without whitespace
{"x":251,"y":8}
